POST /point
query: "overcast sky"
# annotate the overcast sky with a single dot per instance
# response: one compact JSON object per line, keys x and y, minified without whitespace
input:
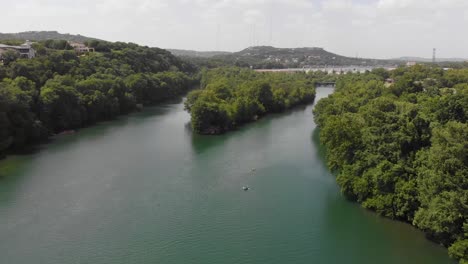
{"x":367,"y":28}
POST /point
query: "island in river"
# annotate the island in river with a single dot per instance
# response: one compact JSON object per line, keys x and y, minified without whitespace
{"x":230,"y":97}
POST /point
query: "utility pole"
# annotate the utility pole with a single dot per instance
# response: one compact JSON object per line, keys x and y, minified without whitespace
{"x":255,"y":35}
{"x":218,"y":33}
{"x":271,"y":14}
{"x":252,"y":35}
{"x":271,"y":31}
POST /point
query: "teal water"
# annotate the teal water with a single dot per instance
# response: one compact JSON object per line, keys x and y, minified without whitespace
{"x":144,"y":189}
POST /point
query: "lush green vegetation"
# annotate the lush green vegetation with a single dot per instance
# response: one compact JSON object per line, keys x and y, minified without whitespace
{"x":59,"y":90}
{"x":266,"y":57}
{"x":233,"y":96}
{"x":402,"y":149}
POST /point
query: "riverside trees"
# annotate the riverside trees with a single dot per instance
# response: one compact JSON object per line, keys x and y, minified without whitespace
{"x":230,"y":97}
{"x":402,"y":150}
{"x":59,"y":90}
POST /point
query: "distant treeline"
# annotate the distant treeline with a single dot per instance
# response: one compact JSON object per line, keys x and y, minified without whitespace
{"x":43,"y":35}
{"x":59,"y":90}
{"x":230,"y":97}
{"x":402,"y":149}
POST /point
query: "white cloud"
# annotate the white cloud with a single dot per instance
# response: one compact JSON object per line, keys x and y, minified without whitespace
{"x":372,"y":28}
{"x":254,"y":16}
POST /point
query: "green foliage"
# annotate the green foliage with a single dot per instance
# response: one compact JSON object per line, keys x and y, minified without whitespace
{"x":443,"y":183}
{"x":233,"y":96}
{"x":402,"y":150}
{"x":9,"y":56}
{"x":267,"y":57}
{"x":18,"y":126}
{"x":57,"y":44}
{"x":459,"y":250}
{"x":59,"y":90}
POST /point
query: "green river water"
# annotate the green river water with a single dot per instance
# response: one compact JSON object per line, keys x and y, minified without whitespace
{"x":144,"y":189}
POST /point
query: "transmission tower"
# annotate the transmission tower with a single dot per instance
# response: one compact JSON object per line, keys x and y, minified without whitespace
{"x":218,"y":33}
{"x":434,"y":55}
{"x":271,"y":31}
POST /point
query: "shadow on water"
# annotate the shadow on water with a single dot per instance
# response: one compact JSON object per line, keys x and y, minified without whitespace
{"x":16,"y":165}
{"x":343,"y":219}
{"x":202,"y":143}
{"x":103,"y":129}
{"x":12,"y":173}
{"x":320,"y":149}
{"x":29,"y":150}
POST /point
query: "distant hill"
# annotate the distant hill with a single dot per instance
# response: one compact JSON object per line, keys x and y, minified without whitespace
{"x":194,"y":53}
{"x":419,"y":59}
{"x":271,"y":57}
{"x":44,"y":35}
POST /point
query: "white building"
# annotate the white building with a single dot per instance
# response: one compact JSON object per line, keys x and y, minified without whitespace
{"x":25,"y":50}
{"x":80,"y":47}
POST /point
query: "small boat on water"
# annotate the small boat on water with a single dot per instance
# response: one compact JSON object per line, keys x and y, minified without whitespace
{"x":245,"y":188}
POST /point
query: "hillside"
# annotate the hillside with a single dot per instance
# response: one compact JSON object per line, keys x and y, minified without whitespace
{"x":194,"y":53}
{"x":60,"y":90}
{"x":271,"y":57}
{"x":44,"y":35}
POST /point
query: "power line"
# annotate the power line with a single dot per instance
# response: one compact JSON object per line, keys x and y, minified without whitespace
{"x":254,"y":36}
{"x":271,"y":30}
{"x":218,"y":33}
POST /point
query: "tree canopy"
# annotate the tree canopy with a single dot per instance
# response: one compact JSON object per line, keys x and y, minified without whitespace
{"x":401,"y":150}
{"x":230,"y":97}
{"x":59,"y":90}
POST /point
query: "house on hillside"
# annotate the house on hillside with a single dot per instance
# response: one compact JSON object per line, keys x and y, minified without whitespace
{"x":24,"y":50}
{"x":80,"y":47}
{"x":389,"y":82}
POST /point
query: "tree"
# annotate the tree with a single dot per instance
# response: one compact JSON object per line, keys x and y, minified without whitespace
{"x":9,"y":56}
{"x":232,"y":96}
{"x":401,"y":151}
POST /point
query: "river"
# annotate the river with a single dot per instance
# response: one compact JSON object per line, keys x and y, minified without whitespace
{"x":144,"y":189}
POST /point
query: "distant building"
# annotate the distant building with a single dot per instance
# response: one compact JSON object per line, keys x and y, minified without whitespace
{"x":389,"y":82}
{"x":410,"y":63}
{"x":80,"y":47}
{"x":25,"y":50}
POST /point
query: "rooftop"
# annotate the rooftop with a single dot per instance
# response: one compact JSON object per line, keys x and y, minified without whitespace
{"x":26,"y":45}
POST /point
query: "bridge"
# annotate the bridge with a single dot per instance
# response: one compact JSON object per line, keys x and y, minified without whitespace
{"x":328,"y":84}
{"x":327,"y":69}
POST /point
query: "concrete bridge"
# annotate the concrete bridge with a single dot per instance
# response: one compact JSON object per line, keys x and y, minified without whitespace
{"x":327,"y":84}
{"x":327,"y":69}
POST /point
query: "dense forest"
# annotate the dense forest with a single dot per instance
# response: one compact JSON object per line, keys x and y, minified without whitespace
{"x":401,"y":149}
{"x":60,"y":90}
{"x":230,"y":97}
{"x":266,"y":57}
{"x":398,"y":149}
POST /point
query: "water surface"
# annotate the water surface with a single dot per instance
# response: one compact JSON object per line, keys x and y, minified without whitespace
{"x":144,"y":189}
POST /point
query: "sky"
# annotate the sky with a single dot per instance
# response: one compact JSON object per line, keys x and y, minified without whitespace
{"x":363,"y":28}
